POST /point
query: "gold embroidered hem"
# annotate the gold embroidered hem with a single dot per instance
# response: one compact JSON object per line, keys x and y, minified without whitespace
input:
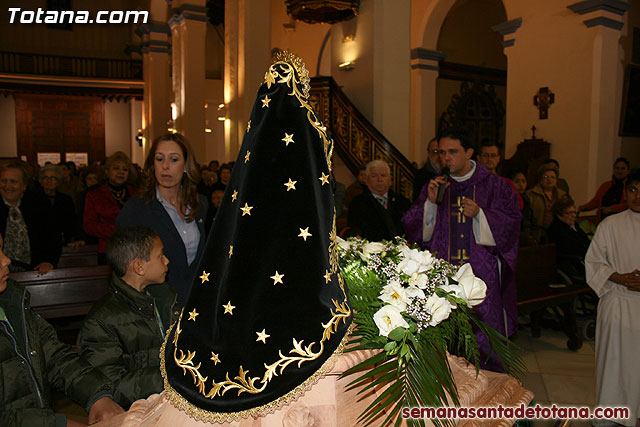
{"x":199,"y":414}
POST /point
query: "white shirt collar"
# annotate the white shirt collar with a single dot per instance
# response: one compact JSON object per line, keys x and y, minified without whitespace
{"x":467,"y":175}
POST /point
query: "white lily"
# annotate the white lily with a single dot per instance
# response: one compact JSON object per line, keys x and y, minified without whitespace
{"x":371,"y":248}
{"x":388,"y":318}
{"x":439,"y":308}
{"x":395,"y":294}
{"x":473,"y":290}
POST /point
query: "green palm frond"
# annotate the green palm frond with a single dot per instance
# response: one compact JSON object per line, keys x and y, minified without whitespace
{"x":411,"y":368}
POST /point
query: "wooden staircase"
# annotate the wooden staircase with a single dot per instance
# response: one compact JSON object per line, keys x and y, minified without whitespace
{"x":356,"y":140}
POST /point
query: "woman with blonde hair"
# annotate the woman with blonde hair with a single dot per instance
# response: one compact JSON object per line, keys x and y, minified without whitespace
{"x":169,"y":203}
{"x":102,"y":205}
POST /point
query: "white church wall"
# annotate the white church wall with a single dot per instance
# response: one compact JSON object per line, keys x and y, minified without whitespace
{"x":553,"y":48}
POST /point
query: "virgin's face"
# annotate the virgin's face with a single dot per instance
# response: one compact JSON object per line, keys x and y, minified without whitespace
{"x":168,"y":163}
{"x":118,"y":173}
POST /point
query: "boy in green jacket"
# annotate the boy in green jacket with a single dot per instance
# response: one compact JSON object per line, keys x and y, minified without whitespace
{"x":123,"y":332}
{"x":33,"y":361}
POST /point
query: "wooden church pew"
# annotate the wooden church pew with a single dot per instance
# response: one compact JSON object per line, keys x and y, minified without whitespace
{"x":65,"y":292}
{"x":538,"y":288}
{"x":82,"y":256}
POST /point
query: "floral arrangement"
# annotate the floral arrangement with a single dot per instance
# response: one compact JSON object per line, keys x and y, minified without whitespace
{"x":414,"y":308}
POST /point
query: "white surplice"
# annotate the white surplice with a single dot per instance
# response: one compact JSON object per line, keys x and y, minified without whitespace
{"x":616,"y":249}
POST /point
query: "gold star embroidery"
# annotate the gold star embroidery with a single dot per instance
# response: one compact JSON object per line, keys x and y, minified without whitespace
{"x":249,"y":126}
{"x":234,"y":196}
{"x":277,"y":278}
{"x":304,"y":233}
{"x":266,"y":101}
{"x":228,"y":308}
{"x":291,"y":185}
{"x":193,"y":314}
{"x":327,"y":276}
{"x":287,"y":139}
{"x":324,"y":179}
{"x":205,"y":276}
{"x":230,"y":251}
{"x":262,"y":336}
{"x":246,"y":156}
{"x":215,"y":358}
{"x":246,"y":210}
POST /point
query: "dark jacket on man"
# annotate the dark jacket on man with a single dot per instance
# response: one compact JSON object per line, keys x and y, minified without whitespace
{"x":33,"y":361}
{"x":370,"y":220}
{"x":44,"y":245}
{"x":67,"y":225}
{"x":422,"y":177}
{"x":122,"y":336}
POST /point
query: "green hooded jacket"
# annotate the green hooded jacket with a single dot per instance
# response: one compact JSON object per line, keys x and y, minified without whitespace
{"x":33,"y":361}
{"x":122,"y":336}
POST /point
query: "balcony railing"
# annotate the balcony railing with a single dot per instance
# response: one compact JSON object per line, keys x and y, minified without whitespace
{"x":69,"y":66}
{"x":357,"y":141}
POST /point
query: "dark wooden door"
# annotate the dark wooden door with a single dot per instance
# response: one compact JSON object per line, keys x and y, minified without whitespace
{"x":60,"y":124}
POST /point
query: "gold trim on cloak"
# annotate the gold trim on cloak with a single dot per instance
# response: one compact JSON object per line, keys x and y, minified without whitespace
{"x":283,"y":71}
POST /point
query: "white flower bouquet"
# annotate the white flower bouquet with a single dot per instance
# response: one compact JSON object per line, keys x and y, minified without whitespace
{"x":415,"y":308}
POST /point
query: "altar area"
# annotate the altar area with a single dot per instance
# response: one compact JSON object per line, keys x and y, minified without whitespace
{"x":330,"y":404}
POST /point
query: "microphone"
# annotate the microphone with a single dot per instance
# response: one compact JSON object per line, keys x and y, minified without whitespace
{"x":445,"y":173}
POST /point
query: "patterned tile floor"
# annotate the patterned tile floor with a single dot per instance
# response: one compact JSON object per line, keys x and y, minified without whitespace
{"x":557,"y":374}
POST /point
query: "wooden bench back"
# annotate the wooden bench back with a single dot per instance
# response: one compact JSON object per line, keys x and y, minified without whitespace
{"x":535,"y":270}
{"x":65,"y":292}
{"x":86,"y":255}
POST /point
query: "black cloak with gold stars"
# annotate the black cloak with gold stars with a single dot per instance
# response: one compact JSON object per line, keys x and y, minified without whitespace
{"x":269,"y":313}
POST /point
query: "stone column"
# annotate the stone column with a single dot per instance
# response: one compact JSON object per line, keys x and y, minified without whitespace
{"x":155,"y":50}
{"x":188,"y":36}
{"x":603,"y":22}
{"x":424,"y":73}
{"x":507,"y":30}
{"x":247,"y":55}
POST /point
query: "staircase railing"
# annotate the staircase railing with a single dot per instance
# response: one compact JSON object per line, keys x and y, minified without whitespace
{"x":357,"y":141}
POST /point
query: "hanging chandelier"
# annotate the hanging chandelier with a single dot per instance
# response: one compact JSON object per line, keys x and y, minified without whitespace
{"x":322,"y":11}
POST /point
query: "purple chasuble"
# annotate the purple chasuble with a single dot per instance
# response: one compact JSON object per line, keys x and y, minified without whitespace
{"x":453,"y":240}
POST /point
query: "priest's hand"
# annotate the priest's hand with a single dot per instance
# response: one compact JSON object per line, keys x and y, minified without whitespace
{"x":470,"y":207}
{"x":103,"y":409}
{"x":630,"y":281}
{"x":434,"y":185}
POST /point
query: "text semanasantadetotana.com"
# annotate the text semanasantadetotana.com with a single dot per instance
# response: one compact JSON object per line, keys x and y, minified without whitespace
{"x":518,"y":412}
{"x":41,"y":16}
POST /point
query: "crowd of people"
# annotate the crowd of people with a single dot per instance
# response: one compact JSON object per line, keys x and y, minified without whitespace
{"x":150,"y":224}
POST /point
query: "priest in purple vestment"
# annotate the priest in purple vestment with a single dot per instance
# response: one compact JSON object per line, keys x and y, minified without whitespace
{"x":477,"y":222}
